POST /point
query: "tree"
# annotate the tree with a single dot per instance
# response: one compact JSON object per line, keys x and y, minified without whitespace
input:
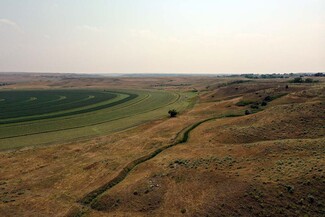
{"x":172,"y":113}
{"x":298,"y":80}
{"x":319,"y":74}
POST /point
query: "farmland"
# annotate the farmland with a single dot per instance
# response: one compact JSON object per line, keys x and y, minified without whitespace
{"x":33,"y":117}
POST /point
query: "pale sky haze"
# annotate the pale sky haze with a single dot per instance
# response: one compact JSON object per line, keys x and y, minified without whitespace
{"x":162,"y":36}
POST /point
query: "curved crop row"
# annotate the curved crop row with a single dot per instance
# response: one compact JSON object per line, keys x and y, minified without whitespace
{"x":40,"y":107}
{"x":80,"y":110}
{"x":154,"y":101}
{"x":148,"y":105}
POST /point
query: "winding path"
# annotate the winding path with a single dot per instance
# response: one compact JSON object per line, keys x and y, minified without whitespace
{"x":182,"y":137}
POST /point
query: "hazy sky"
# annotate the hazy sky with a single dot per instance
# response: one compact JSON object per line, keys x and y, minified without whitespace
{"x":156,"y":36}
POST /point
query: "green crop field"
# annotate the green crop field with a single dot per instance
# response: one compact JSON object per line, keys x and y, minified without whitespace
{"x":34,"y":117}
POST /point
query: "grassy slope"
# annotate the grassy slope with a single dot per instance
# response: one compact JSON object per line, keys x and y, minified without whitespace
{"x":266,"y":164}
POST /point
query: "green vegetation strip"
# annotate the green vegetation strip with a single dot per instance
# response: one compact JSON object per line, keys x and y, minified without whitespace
{"x":114,"y":118}
{"x":149,"y":105}
{"x":16,"y":104}
{"x":67,"y":118}
{"x":76,"y":127}
{"x":92,"y":198}
{"x":68,"y":113}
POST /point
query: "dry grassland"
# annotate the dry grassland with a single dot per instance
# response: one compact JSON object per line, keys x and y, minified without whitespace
{"x":268,"y":163}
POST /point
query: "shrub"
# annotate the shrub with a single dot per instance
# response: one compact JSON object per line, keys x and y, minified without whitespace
{"x":264,"y":103}
{"x":255,"y":105}
{"x":300,"y":80}
{"x":290,"y":189}
{"x":172,"y":113}
{"x":243,"y":103}
{"x":311,"y":198}
{"x":247,"y":112}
